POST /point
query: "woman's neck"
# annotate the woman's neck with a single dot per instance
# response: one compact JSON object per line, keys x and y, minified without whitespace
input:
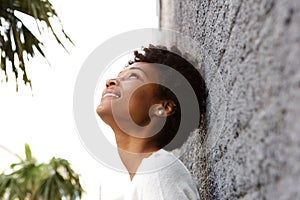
{"x":133,"y":150}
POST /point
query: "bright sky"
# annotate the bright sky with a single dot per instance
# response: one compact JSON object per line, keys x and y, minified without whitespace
{"x":43,"y":118}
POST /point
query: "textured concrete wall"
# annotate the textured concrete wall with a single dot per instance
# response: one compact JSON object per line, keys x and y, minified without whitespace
{"x":249,"y":54}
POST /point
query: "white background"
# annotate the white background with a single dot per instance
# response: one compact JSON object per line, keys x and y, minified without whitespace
{"x":43,"y":117}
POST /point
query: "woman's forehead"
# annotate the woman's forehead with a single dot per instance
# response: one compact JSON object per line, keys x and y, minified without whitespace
{"x":143,"y":65}
{"x":148,"y":69}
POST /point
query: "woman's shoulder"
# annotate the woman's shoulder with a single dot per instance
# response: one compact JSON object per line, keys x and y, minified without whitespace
{"x":169,"y":177}
{"x":163,"y":163}
{"x":174,"y":169}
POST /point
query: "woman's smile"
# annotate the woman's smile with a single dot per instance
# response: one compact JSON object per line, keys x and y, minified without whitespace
{"x":111,"y":93}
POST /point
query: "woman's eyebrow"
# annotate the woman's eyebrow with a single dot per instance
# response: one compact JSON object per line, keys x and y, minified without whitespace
{"x":133,"y":68}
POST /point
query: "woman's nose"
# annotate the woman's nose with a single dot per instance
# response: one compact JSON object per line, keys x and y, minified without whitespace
{"x":113,"y":81}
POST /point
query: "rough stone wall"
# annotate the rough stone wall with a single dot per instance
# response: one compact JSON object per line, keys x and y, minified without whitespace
{"x":249,"y":54}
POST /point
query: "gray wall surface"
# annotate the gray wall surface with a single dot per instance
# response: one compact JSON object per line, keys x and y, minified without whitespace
{"x":249,"y":55}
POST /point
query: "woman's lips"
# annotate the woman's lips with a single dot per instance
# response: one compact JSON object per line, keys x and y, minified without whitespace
{"x":111,"y":93}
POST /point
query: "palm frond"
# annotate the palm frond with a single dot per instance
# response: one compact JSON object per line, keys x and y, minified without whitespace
{"x":55,"y":180}
{"x":17,"y":41}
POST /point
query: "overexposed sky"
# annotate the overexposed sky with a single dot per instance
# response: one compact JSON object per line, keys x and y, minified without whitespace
{"x":43,"y":117}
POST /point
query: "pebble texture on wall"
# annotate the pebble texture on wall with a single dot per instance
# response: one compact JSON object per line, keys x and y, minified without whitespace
{"x":249,"y":55}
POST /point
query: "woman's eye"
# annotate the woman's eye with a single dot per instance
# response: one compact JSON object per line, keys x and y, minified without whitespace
{"x":133,"y":76}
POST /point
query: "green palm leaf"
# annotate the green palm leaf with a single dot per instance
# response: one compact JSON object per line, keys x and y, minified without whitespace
{"x":28,"y":180}
{"x":17,"y":41}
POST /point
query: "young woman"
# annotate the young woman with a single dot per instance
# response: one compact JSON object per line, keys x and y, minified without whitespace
{"x":145,"y":116}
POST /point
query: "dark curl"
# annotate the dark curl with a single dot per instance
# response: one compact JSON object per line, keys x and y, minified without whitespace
{"x":175,"y":60}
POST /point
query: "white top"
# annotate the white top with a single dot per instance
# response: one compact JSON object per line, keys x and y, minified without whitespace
{"x":161,"y":176}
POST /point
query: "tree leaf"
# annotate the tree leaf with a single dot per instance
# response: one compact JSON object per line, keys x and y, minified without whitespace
{"x":12,"y":48}
{"x":28,"y":153}
{"x":54,"y":180}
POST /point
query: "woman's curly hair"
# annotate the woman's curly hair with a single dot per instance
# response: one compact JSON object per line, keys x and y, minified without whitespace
{"x":175,"y":60}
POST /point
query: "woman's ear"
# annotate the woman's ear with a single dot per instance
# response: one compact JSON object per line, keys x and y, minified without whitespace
{"x":165,"y":108}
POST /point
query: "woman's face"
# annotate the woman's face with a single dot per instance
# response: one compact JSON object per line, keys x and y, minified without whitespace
{"x":134,"y":88}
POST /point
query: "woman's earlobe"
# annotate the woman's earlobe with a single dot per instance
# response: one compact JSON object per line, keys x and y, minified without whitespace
{"x":165,"y":108}
{"x":159,"y":111}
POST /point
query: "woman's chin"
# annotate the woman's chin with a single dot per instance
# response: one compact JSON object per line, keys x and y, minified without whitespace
{"x":103,"y":110}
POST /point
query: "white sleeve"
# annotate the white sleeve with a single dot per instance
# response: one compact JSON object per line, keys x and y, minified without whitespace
{"x":176,"y":183}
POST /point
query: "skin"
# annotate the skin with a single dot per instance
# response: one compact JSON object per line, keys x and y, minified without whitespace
{"x":134,"y":87}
